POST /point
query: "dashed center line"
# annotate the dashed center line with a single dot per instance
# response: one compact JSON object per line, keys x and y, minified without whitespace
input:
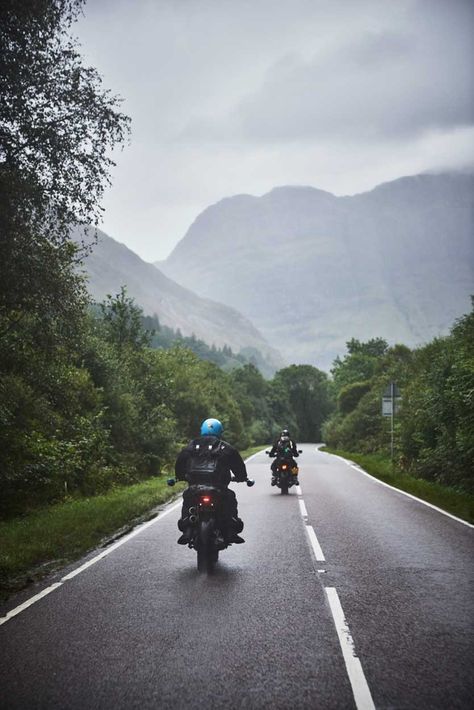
{"x":360,"y":689}
{"x":303,"y":510}
{"x":318,"y":553}
{"x":313,"y":540}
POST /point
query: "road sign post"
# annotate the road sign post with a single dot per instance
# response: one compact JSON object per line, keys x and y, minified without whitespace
{"x":390,"y":400}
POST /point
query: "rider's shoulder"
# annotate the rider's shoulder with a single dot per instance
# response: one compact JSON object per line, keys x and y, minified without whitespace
{"x":226,"y":448}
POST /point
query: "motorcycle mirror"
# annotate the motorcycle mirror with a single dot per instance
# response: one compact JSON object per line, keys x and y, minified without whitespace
{"x":267,"y":452}
{"x":250,"y":482}
{"x":171,"y":481}
{"x":300,"y":451}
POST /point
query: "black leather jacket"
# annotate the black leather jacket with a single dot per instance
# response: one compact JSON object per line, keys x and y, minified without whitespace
{"x":210,"y":461}
{"x":279,"y":446}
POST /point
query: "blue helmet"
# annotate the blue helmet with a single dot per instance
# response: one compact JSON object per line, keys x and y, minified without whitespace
{"x":211,"y":427}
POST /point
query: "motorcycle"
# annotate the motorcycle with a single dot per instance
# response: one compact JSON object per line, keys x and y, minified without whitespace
{"x":205,"y":518}
{"x":286,"y":473}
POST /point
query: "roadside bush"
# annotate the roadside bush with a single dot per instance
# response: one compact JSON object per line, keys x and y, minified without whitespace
{"x":350,"y":396}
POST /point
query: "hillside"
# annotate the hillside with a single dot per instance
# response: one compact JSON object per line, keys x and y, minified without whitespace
{"x":312,"y":270}
{"x":111,"y":265}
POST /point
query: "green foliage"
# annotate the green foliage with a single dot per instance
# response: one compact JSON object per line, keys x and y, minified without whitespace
{"x":434,"y":429}
{"x":57,"y":123}
{"x":33,"y":545}
{"x":437,"y":427}
{"x":57,"y":126}
{"x":162,"y":336}
{"x":309,"y":400}
{"x":350,"y":396}
{"x":122,"y":322}
{"x":360,"y":363}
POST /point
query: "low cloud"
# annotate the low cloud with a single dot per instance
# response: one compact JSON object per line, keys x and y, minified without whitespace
{"x":229,"y":97}
{"x":380,"y":85}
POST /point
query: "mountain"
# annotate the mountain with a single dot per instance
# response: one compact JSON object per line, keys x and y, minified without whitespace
{"x":312,"y":270}
{"x":111,"y":265}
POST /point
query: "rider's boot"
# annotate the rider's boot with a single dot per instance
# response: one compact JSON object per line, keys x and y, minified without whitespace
{"x":185,"y":528}
{"x":236,"y":526}
{"x":186,"y":537}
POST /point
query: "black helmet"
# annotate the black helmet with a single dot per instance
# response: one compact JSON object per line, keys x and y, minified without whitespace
{"x":285,"y":432}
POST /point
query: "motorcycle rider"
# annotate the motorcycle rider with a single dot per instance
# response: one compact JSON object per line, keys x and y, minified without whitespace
{"x":284,"y":446}
{"x":208,"y":460}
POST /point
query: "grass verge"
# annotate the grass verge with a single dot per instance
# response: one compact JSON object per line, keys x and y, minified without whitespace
{"x":452,"y":500}
{"x":36,"y":544}
{"x":31,"y":546}
{"x":252,"y":450}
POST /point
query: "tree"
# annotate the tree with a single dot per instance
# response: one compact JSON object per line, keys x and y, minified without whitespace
{"x":438,"y":408}
{"x":57,"y":124}
{"x":360,"y":363}
{"x":57,"y":128}
{"x":308,"y":393}
{"x":123,"y":321}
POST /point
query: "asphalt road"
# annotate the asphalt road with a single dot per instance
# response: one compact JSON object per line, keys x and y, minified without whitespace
{"x":140,"y":628}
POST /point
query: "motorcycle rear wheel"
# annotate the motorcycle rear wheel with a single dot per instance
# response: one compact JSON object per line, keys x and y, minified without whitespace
{"x":206,"y":553}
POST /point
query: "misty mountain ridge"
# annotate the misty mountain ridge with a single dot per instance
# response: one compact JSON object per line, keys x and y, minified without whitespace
{"x":111,"y":265}
{"x":311,"y":270}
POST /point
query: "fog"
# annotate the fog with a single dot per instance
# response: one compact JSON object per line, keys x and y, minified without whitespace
{"x":231,"y":97}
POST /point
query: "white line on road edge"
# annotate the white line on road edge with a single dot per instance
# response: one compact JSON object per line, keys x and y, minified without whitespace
{"x":399,"y":490}
{"x":360,"y":689}
{"x":257,"y":453}
{"x":100,"y":556}
{"x":121,"y":542}
{"x":87,"y":564}
{"x":29,"y":602}
{"x":315,"y":544}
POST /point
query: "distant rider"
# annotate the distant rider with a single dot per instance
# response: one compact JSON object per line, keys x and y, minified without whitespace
{"x":210,"y":461}
{"x":283,"y":447}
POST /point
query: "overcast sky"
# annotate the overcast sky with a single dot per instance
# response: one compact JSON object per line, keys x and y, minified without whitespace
{"x":238,"y":96}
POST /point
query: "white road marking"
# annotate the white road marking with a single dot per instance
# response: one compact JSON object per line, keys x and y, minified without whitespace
{"x":100,"y":556}
{"x":29,"y":602}
{"x":254,"y":455}
{"x":360,"y":688}
{"x":303,"y":510}
{"x":315,"y":544}
{"x":120,"y":542}
{"x":309,"y":528}
{"x":89,"y":563}
{"x":399,"y":490}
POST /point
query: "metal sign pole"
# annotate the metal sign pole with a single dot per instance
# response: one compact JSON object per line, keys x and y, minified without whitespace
{"x":392,"y":396}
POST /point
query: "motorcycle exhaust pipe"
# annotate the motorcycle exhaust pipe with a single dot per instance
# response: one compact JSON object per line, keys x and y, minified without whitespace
{"x":193,"y":518}
{"x":192,"y":511}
